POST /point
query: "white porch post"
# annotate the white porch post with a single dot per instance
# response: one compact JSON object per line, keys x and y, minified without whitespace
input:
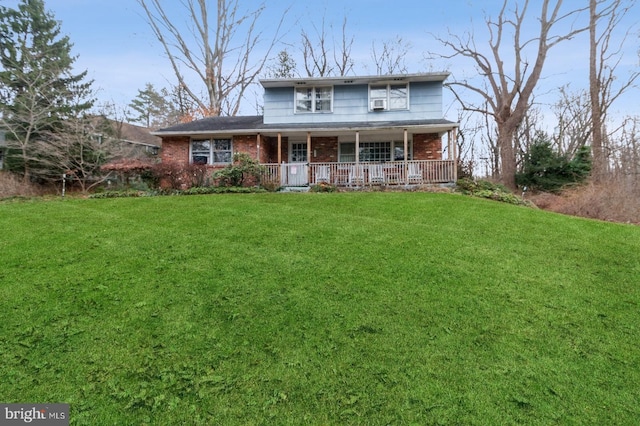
{"x":279,"y":157}
{"x":357,"y":147}
{"x":406,"y":156}
{"x":309,"y":156}
{"x":258,"y":140}
{"x":455,"y":154}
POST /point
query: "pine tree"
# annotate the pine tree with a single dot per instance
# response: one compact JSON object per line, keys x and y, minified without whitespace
{"x":38,"y":90}
{"x":153,"y":108}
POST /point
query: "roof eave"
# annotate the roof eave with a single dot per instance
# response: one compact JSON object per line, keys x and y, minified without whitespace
{"x":346,"y":80}
{"x":298,"y":129}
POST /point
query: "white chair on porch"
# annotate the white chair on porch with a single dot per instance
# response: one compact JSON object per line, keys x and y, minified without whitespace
{"x":323,"y":174}
{"x":376,"y":174}
{"x":414,"y":174}
{"x":356,"y":175}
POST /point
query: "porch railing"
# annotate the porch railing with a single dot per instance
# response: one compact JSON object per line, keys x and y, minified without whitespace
{"x":413,"y":172}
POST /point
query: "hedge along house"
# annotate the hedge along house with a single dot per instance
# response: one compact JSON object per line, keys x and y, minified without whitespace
{"x":346,"y":131}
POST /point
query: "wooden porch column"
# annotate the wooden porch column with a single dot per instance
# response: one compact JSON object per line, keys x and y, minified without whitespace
{"x":279,"y":148}
{"x":406,"y":156}
{"x":357,"y":147}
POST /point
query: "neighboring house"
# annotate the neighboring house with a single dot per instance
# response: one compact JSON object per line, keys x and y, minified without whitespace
{"x":349,"y":131}
{"x":138,"y":139}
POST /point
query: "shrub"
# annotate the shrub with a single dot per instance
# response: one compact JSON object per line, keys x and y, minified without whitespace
{"x":116,"y":194}
{"x":323,"y":187}
{"x":12,"y":185}
{"x":489,"y":190}
{"x":196,"y":175}
{"x":270,"y":186}
{"x":546,"y":170}
{"x":168,"y":175}
{"x":241,"y":171}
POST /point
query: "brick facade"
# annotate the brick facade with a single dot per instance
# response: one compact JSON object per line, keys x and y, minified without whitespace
{"x":175,"y":150}
{"x":325,"y":149}
{"x":426,"y":146}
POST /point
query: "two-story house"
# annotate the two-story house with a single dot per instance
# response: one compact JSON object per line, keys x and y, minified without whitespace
{"x":340,"y":130}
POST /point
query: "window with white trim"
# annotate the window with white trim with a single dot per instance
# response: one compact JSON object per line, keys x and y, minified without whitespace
{"x":389,"y":96}
{"x":298,"y":152}
{"x":211,"y":151}
{"x":374,"y":152}
{"x":314,"y":99}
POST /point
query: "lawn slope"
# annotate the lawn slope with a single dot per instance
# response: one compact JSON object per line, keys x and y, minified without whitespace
{"x":364,"y":308}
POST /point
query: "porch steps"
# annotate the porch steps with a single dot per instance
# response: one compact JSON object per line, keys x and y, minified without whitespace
{"x":295,"y":189}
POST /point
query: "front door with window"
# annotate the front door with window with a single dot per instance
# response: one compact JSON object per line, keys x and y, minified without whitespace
{"x":298,"y":153}
{"x":296,"y":173}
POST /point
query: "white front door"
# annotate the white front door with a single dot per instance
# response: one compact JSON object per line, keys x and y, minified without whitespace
{"x":298,"y":152}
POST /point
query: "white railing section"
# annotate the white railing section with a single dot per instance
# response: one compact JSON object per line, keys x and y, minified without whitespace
{"x":413,"y":172}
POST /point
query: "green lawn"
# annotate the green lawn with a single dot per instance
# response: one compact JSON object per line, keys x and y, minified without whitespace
{"x":360,"y":308}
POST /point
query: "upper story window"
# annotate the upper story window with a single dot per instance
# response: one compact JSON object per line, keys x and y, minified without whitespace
{"x":389,"y":97}
{"x":211,"y":151}
{"x":314,"y":99}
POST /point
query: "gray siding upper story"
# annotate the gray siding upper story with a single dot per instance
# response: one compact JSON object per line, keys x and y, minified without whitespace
{"x":351,"y":101}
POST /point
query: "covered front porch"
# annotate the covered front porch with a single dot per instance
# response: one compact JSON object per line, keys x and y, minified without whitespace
{"x":355,"y":175}
{"x":360,"y":157}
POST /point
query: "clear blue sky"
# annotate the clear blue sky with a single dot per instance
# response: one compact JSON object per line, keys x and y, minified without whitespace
{"x":114,"y":43}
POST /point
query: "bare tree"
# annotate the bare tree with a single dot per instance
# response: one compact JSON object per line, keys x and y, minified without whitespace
{"x":573,"y":114}
{"x":28,"y":117}
{"x":77,"y":149}
{"x":505,"y":95}
{"x":322,"y":58}
{"x":342,"y":55}
{"x":390,"y":58}
{"x":603,"y":61}
{"x":224,"y":55}
{"x":626,"y":152}
{"x":315,"y":52}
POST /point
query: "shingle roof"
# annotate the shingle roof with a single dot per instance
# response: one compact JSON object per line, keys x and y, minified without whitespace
{"x":218,"y":124}
{"x":256,"y":124}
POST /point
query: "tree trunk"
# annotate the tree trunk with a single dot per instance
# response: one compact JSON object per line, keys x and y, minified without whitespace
{"x":599,"y":158}
{"x":507,"y":156}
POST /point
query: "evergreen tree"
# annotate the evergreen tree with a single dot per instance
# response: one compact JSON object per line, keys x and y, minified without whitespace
{"x":547,"y":170}
{"x":38,"y":90}
{"x":153,"y":108}
{"x":284,"y":67}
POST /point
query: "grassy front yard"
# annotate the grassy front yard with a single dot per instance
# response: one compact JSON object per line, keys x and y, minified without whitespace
{"x":359,"y":308}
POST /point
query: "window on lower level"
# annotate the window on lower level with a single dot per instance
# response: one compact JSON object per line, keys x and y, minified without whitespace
{"x":373,"y":152}
{"x":211,"y":151}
